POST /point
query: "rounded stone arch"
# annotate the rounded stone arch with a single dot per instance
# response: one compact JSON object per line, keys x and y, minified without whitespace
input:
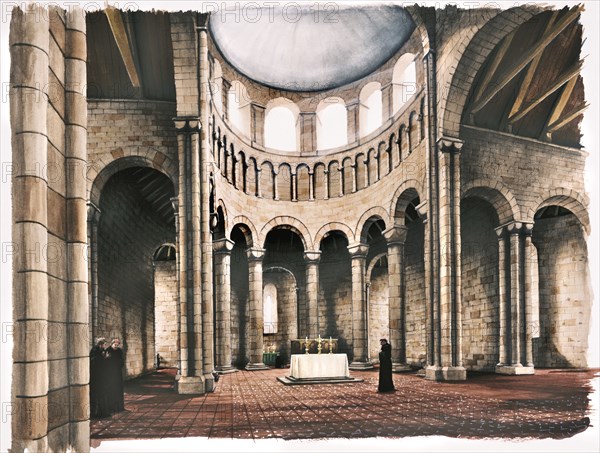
{"x":478,"y":43}
{"x":100,"y":172}
{"x":400,"y":199}
{"x":421,"y":29}
{"x":290,"y":223}
{"x":221,"y":204}
{"x":497,"y":194}
{"x":366,"y":220}
{"x":334,"y":226}
{"x":565,"y":198}
{"x":372,"y":264}
{"x":247,"y":227}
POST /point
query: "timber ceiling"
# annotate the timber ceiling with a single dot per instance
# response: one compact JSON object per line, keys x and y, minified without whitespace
{"x":530,"y":84}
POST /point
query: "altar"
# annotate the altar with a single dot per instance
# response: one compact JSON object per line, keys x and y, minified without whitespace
{"x":318,"y":366}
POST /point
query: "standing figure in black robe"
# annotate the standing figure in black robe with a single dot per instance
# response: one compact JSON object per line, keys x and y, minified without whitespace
{"x":114,"y":376}
{"x":386,"y":384}
{"x":99,"y":407}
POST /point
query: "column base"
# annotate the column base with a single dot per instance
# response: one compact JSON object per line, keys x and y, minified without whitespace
{"x":445,"y":373}
{"x":256,"y":367}
{"x":514,"y":370}
{"x":361,"y":366}
{"x":190,"y":385}
{"x":226,"y":369}
{"x":401,"y":367}
{"x":209,"y":383}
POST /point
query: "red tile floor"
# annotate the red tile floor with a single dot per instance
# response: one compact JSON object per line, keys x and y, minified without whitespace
{"x":254,"y":405}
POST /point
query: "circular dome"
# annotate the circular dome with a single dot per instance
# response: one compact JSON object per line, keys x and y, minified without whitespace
{"x":301,"y":48}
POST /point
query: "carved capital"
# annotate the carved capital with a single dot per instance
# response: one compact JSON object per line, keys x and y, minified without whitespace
{"x":187,"y":124}
{"x":93,"y":213}
{"x":514,"y":227}
{"x":312,"y":257}
{"x":449,"y":145}
{"x":358,"y":250}
{"x":222,"y":246}
{"x":255,"y":254}
{"x":395,"y":234}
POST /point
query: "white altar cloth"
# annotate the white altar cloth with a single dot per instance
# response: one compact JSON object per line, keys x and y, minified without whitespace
{"x":307,"y":366}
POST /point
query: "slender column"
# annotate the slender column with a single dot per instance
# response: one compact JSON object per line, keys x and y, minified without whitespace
{"x":358,"y":253}
{"x":327,"y":183}
{"x":341,"y":170}
{"x":275,"y":188}
{"x":396,"y":238}
{"x":294,"y":187}
{"x":257,"y":124}
{"x":206,"y":313}
{"x":503,"y":295}
{"x":311,"y":259}
{"x":93,"y":220}
{"x":352,"y":118}
{"x":515,"y":290}
{"x":222,"y":257}
{"x":258,"y":191}
{"x":255,"y":302}
{"x":190,"y":379}
{"x":354,"y":168}
{"x":449,"y":307}
{"x":387,"y":104}
{"x":179,"y":250}
{"x":311,"y":185}
{"x":527,"y":293}
{"x":224,"y":98}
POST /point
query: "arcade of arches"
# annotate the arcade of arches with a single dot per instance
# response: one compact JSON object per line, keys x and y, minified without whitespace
{"x":435,"y":199}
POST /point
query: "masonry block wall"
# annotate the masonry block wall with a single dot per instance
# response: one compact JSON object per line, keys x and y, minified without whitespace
{"x":48,"y":122}
{"x":239,"y":306}
{"x":166,"y":295}
{"x":129,"y":233}
{"x":379,"y":311}
{"x":564,"y":293}
{"x":414,"y":281}
{"x":479,"y":268}
{"x":287,"y":313}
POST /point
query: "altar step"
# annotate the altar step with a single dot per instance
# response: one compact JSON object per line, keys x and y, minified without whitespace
{"x":289,"y":380}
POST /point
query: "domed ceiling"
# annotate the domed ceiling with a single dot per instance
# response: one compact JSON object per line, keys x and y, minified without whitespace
{"x":302,"y":49}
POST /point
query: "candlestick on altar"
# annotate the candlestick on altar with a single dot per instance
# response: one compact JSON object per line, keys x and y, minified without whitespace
{"x":330,"y":345}
{"x":319,"y":344}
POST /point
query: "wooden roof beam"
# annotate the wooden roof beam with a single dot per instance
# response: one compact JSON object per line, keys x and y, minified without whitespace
{"x":115,"y":20}
{"x":566,"y":120}
{"x":540,"y":46}
{"x":566,"y":77}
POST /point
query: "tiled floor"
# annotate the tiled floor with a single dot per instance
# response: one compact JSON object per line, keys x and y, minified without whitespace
{"x":254,"y":405}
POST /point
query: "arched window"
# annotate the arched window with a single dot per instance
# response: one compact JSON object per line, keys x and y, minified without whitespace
{"x":281,"y":125}
{"x":238,"y":108}
{"x":270,"y":309}
{"x":370,"y":113}
{"x":405,"y":80}
{"x":332,"y":123}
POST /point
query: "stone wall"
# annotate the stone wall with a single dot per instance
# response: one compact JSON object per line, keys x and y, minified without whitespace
{"x":379,"y":311}
{"x":287,"y":314}
{"x":414,"y":281}
{"x":239,"y":307}
{"x":565,"y":301}
{"x":166,"y":295}
{"x":479,"y":269}
{"x":129,"y":232}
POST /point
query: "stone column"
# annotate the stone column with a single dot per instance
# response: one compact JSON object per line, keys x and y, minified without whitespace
{"x":294,"y":194}
{"x":257,"y":124}
{"x":312,"y":292}
{"x":76,"y":195}
{"x":275,"y":187}
{"x":353,"y":121}
{"x":29,"y":40}
{"x":178,"y":253}
{"x":308,"y":132}
{"x":396,"y":237}
{"x":222,"y":256}
{"x":358,"y":253}
{"x":517,"y":332}
{"x":311,"y":185}
{"x":93,"y":220}
{"x":206,"y":271}
{"x":225,"y":98}
{"x":190,"y":379}
{"x":387,"y":101}
{"x":255,"y":302}
{"x":327,"y":182}
{"x":449,"y":309}
{"x":503,"y":293}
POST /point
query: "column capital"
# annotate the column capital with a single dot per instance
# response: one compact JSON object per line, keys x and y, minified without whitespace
{"x":175,"y":203}
{"x":222,"y":246}
{"x":255,"y":254}
{"x":527,"y":228}
{"x":422,"y":209}
{"x":514,"y":227}
{"x":93,"y":212}
{"x":449,"y":144}
{"x":396,"y":234}
{"x":358,"y":250}
{"x":352,"y":104}
{"x":187,"y":124}
{"x":312,"y":257}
